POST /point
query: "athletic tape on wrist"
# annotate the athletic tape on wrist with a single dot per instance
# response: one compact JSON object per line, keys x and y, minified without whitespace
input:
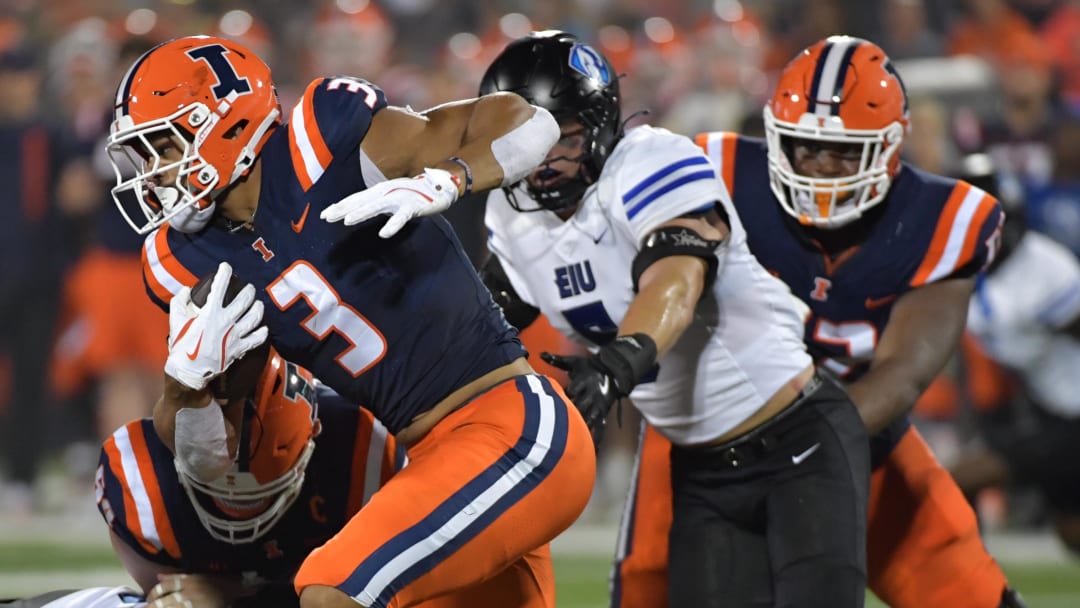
{"x":525,"y":146}
{"x":201,"y":445}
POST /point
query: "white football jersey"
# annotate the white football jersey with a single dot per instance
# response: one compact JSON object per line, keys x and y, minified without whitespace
{"x":1018,"y":313}
{"x":745,"y":341}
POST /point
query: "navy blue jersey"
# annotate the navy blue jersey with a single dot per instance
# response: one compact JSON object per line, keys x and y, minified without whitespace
{"x":930,"y":228}
{"x":140,"y":497}
{"x":396,"y":324}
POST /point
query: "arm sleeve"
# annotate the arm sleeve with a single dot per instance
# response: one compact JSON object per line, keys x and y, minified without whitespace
{"x":518,"y":313}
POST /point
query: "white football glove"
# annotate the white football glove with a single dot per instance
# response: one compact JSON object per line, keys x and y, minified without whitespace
{"x":204,"y":342}
{"x":403,"y":198}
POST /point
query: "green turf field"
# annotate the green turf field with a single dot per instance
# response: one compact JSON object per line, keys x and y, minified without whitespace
{"x":582,"y":583}
{"x":582,"y":579}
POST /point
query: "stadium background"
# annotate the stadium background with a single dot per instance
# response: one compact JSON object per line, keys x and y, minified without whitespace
{"x":80,"y":348}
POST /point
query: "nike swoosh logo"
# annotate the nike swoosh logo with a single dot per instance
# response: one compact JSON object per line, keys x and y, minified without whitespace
{"x":183,"y":330}
{"x":597,"y":240}
{"x":195,"y":353}
{"x":605,"y":384}
{"x":798,"y":458}
{"x":298,"y":225}
{"x":879,"y":302}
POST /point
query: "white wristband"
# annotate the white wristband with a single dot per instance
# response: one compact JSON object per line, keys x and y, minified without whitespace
{"x":202,"y":451}
{"x":525,"y":146}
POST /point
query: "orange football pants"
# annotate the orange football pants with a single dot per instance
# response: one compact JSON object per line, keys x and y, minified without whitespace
{"x":482,"y":495}
{"x":923,"y":540}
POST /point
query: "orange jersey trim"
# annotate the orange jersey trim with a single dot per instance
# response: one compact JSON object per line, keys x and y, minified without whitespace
{"x":310,"y":155}
{"x":162,"y":263}
{"x":972,"y":238}
{"x":956,"y":235}
{"x":131,"y":513}
{"x":719,"y":146}
{"x":153,"y":490}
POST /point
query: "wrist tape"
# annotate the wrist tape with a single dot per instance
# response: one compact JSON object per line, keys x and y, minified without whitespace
{"x":202,"y":451}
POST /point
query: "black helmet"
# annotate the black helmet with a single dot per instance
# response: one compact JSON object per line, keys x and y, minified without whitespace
{"x":573,"y":81}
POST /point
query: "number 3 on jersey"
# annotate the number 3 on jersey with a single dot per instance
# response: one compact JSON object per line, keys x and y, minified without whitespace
{"x":354,"y":85}
{"x":330,"y":314}
{"x":856,"y":338}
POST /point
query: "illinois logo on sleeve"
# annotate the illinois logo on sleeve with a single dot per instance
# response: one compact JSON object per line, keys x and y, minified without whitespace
{"x":585,"y":59}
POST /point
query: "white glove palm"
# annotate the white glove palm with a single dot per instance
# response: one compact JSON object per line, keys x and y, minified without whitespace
{"x":403,"y":198}
{"x":203,"y":342}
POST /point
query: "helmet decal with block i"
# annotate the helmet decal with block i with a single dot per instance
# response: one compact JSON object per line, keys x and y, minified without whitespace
{"x":209,"y":98}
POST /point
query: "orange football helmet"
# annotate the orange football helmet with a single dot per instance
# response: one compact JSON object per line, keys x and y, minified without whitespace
{"x":277,"y":437}
{"x":210,"y":94}
{"x":841,"y":90}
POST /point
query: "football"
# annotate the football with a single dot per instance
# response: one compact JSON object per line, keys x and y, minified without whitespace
{"x":240,"y":378}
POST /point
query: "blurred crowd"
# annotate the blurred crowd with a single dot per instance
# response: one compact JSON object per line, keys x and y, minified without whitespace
{"x":81,"y":347}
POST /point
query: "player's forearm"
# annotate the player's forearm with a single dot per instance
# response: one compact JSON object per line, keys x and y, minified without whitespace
{"x":665,"y":304}
{"x":503,"y":139}
{"x":174,"y":397}
{"x":923,"y":331}
{"x":887,"y":392}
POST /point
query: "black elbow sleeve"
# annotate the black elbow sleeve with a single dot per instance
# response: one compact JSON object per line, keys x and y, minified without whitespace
{"x":517,"y":312}
{"x":676,"y":240}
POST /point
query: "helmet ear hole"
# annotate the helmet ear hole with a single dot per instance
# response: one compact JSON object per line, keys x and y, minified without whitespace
{"x":234,"y":131}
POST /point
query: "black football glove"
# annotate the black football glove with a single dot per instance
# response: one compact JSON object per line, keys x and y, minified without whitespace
{"x":598,"y":380}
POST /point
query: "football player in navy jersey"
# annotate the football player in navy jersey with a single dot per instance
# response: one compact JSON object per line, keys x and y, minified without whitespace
{"x":884,"y":257}
{"x":627,"y":243}
{"x":387,"y":314}
{"x":245,"y":533}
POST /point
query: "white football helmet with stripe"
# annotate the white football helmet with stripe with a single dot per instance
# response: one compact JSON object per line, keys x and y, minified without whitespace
{"x":215,"y":102}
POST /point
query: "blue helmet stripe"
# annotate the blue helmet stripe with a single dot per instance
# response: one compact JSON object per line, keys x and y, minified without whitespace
{"x":811,"y":103}
{"x":842,"y":76}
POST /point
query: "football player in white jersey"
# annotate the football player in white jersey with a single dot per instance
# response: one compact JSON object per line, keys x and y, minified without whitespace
{"x":627,"y":243}
{"x":1025,"y":316}
{"x":93,"y":597}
